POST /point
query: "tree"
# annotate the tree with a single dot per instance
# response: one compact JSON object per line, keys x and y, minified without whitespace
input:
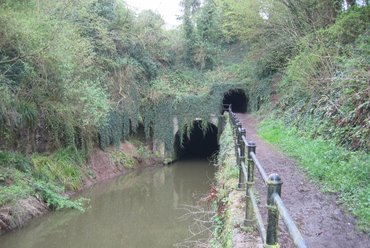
{"x":208,"y":36}
{"x":190,"y":7}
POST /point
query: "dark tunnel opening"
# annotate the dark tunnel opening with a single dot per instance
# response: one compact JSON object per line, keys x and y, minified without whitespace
{"x":238,"y":100}
{"x":199,"y":144}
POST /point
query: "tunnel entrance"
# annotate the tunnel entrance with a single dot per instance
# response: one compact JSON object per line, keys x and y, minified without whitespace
{"x":200,"y":144}
{"x":238,"y":100}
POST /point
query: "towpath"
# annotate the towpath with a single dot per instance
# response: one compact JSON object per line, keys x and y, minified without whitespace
{"x":318,"y":215}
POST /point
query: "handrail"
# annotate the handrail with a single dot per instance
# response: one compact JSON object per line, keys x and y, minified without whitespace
{"x":292,"y":228}
{"x":244,"y":139}
{"x":261,"y":170}
{"x":275,"y":205}
{"x":257,"y":213}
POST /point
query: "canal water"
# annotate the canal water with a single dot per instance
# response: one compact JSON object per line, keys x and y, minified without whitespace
{"x":141,"y":209}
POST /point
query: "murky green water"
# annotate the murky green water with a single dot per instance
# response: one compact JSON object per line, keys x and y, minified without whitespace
{"x":141,"y":209}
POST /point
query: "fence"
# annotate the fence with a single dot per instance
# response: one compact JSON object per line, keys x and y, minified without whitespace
{"x":275,"y":205}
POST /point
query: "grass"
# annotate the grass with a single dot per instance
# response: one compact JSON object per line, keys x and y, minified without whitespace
{"x":13,"y":186}
{"x":47,"y":176}
{"x":337,"y":169}
{"x":62,"y":168}
{"x":14,"y":160}
{"x":14,"y":176}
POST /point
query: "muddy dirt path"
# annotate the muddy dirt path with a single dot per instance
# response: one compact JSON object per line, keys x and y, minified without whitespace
{"x":321,"y":220}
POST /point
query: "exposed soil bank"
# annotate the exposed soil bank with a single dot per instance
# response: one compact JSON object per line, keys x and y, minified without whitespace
{"x":101,"y":167}
{"x":320,"y":218}
{"x":17,"y":215}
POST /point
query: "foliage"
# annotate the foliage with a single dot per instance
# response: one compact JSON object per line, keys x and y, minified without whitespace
{"x":81,"y":72}
{"x":189,"y":8}
{"x":51,"y":194}
{"x":337,"y":169}
{"x":236,"y":14}
{"x":143,"y":150}
{"x":14,"y":160}
{"x":74,"y":74}
{"x":13,"y":185}
{"x":307,"y":60}
{"x":39,"y":60}
{"x":63,"y":77}
{"x":122,"y":159}
{"x":21,"y":178}
{"x":113,"y":130}
{"x":14,"y":175}
{"x":226,"y":177}
{"x":201,"y":34}
{"x":61,"y":168}
{"x":178,"y":95}
{"x":332,"y":90}
{"x":67,"y":81}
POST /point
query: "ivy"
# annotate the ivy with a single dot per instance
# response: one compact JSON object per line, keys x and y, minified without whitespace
{"x":186,"y":106}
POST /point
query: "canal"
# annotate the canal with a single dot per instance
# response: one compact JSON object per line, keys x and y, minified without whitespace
{"x":141,"y":209}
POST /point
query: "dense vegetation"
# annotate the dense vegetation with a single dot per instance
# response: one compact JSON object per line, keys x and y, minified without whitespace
{"x":67,"y":68}
{"x":79,"y":74}
{"x":307,"y":63}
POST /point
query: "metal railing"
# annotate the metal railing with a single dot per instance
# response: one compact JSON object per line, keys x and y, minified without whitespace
{"x":275,"y":205}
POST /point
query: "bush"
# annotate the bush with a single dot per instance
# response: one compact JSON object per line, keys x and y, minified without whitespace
{"x":326,"y":83}
{"x":51,"y":194}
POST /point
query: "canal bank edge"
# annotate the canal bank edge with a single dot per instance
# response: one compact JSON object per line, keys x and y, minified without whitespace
{"x":101,"y":166}
{"x":229,"y":231}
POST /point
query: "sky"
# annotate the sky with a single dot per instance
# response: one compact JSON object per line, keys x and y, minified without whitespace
{"x":168,"y":9}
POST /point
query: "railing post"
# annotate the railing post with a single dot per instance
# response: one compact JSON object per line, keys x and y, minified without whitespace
{"x":236,"y":139}
{"x":274,"y":187}
{"x":241,"y":184}
{"x":233,"y":124}
{"x":234,"y":119}
{"x":249,"y":216}
{"x":230,"y":120}
{"x":251,"y":148}
{"x":221,"y":126}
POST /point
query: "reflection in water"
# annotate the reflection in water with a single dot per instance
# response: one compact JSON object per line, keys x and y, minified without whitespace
{"x":136,"y":210}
